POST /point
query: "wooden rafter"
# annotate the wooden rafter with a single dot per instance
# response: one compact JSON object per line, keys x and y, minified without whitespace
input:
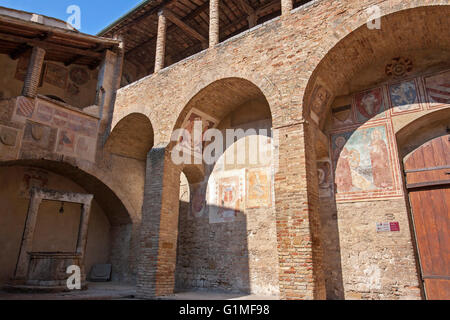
{"x":152,"y":41}
{"x":24,"y":47}
{"x":49,"y":46}
{"x":184,"y":26}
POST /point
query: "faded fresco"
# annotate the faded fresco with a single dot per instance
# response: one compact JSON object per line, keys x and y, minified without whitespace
{"x":319,"y":101}
{"x":342,"y":116}
{"x":229,"y":197}
{"x":370,"y":105}
{"x":56,"y":75}
{"x":32,"y":178}
{"x":324,"y":173}
{"x":438,"y":89}
{"x":404,"y":97}
{"x":9,"y":142}
{"x":198,"y":200}
{"x":188,"y":143}
{"x":259,"y":188}
{"x":361,"y":160}
{"x":77,"y":133}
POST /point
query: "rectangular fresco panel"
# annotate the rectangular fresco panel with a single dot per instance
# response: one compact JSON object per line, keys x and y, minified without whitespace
{"x":325,"y":179}
{"x":56,"y":75}
{"x":77,"y":133}
{"x":404,"y":97}
{"x":230,"y":197}
{"x":259,"y":188}
{"x":438,"y":89}
{"x":198,"y":201}
{"x":342,"y":116}
{"x":24,"y":109}
{"x":187,"y":142}
{"x":363,"y":163}
{"x":370,"y":105}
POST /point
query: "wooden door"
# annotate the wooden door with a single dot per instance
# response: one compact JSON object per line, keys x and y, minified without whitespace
{"x":428,"y":181}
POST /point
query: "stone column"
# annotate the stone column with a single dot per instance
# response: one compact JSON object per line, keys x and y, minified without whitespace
{"x":83,"y":228}
{"x":159,"y":228}
{"x":160,"y":41}
{"x":34,"y":72}
{"x":297,"y":209}
{"x":286,"y":6}
{"x":27,"y":239}
{"x":213,"y":22}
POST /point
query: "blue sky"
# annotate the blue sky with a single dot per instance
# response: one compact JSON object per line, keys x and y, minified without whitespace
{"x":95,"y":14}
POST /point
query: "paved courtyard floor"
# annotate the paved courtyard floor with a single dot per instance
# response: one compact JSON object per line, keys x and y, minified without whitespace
{"x":114,"y":291}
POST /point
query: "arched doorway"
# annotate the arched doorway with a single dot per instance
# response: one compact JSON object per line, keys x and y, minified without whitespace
{"x":427,"y":171}
{"x":227,"y":231}
{"x":360,"y":96}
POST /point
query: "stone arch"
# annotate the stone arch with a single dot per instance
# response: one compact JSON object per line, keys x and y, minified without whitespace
{"x":220,"y":97}
{"x":206,"y":223}
{"x":365,"y":180}
{"x":116,"y":210}
{"x":346,"y":62}
{"x":112,"y":223}
{"x":132,"y":137}
{"x":422,"y":129}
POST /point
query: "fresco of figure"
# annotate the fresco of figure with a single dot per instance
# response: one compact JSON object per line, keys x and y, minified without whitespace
{"x":358,"y":180}
{"x":380,"y":161}
{"x":198,"y":203}
{"x":343,"y":175}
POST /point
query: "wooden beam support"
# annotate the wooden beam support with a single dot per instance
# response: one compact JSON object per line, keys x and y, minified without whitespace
{"x":48,"y":46}
{"x":152,"y":41}
{"x":24,"y":48}
{"x":183,"y":26}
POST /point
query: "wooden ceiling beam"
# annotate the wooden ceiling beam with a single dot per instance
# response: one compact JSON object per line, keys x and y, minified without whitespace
{"x":48,"y":46}
{"x":24,"y":48}
{"x":152,"y":41}
{"x":247,"y":8}
{"x":183,"y":26}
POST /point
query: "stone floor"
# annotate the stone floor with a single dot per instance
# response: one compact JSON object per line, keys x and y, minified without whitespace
{"x":114,"y":291}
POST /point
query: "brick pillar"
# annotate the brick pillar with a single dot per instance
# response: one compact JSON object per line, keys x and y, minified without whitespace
{"x":161,"y":41}
{"x":159,"y":229}
{"x":297,"y":208}
{"x":34,"y":71}
{"x":213,"y":22}
{"x":286,"y":6}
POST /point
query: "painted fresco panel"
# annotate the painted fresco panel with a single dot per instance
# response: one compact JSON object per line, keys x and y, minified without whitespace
{"x":24,"y":109}
{"x":370,"y":105}
{"x":319,"y":101}
{"x":198,"y":202}
{"x":229,"y":197}
{"x":56,"y":75}
{"x":342,"y":116}
{"x":404,"y":97}
{"x":437,"y":89}
{"x":187,"y":143}
{"x":77,"y":134}
{"x":259,"y":188}
{"x":364,"y":163}
{"x":325,"y":179}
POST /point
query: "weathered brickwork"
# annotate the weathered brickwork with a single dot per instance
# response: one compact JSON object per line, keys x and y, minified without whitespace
{"x":309,"y":66}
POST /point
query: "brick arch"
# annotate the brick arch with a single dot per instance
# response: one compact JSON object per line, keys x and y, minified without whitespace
{"x":220,"y":97}
{"x":132,"y":136}
{"x":350,"y":46}
{"x":94,"y":180}
{"x":421,"y":130}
